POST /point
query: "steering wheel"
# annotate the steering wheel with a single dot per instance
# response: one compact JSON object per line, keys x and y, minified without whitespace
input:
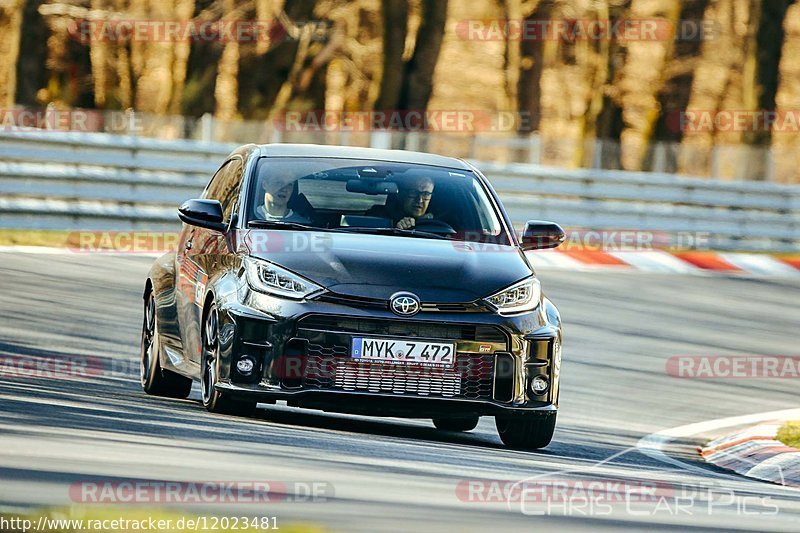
{"x":435,"y":226}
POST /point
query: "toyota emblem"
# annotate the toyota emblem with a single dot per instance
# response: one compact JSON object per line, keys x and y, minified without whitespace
{"x":404,"y":304}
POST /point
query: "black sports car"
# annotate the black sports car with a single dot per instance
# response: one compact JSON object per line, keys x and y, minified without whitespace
{"x":356,"y":280}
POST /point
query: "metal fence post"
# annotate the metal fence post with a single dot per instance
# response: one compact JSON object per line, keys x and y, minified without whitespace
{"x":207,"y":128}
{"x":131,"y":122}
{"x":535,"y":151}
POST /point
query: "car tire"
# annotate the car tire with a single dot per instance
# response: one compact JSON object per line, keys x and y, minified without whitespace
{"x":456,"y":424}
{"x":212,"y":399}
{"x":528,"y":432}
{"x":155,"y":380}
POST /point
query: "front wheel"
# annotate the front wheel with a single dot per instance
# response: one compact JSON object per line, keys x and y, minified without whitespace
{"x":456,"y":424}
{"x":154,"y":379}
{"x":526,"y":432}
{"x":212,"y":399}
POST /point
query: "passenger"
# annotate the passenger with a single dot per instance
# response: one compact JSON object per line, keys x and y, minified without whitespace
{"x":280,"y":195}
{"x":409,"y":205}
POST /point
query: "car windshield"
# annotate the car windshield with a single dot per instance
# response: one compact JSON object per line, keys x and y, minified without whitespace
{"x":372,"y":197}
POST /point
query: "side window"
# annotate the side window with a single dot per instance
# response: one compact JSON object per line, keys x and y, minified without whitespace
{"x":225,"y":185}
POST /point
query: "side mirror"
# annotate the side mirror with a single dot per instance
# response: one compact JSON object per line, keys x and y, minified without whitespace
{"x":203,"y":213}
{"x":539,"y":234}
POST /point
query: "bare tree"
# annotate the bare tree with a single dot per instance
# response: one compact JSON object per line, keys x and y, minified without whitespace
{"x":723,"y":79}
{"x":409,"y":84}
{"x":531,"y":66}
{"x":261,"y":77}
{"x":162,"y":63}
{"x":395,"y":30}
{"x":642,"y":80}
{"x":418,"y":75}
{"x":785,"y":144}
{"x":32,"y":71}
{"x":10,"y":24}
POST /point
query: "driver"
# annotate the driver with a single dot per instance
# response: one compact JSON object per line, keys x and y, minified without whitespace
{"x":410,"y":205}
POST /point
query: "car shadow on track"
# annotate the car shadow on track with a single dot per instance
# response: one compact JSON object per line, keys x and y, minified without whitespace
{"x":408,"y":429}
{"x":119,"y":410}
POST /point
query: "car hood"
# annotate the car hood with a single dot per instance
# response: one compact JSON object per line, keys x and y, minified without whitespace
{"x":377,"y":266}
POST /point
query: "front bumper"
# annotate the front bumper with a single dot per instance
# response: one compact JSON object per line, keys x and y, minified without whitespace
{"x":381,"y":404}
{"x":302,"y":357}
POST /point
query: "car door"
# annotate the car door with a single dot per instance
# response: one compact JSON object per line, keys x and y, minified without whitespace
{"x":198,"y":257}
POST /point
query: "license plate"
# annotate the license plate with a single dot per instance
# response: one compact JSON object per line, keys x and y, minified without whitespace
{"x":400,"y":351}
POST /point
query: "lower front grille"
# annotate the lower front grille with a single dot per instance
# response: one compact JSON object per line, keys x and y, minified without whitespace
{"x":471,"y":377}
{"x":355,"y":375}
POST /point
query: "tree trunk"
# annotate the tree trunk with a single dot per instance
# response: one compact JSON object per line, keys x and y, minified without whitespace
{"x":163,"y":71}
{"x":769,"y":41}
{"x":418,"y":76}
{"x":642,"y":80}
{"x":531,"y":67}
{"x":261,"y":77}
{"x":183,"y":13}
{"x":395,"y":30}
{"x":597,"y":56}
{"x":679,"y":78}
{"x":786,"y":145}
{"x":32,"y":72}
{"x":101,"y":56}
{"x":512,"y":10}
{"x":202,"y":68}
{"x":226,"y":89}
{"x":723,"y":76}
{"x":10,"y":26}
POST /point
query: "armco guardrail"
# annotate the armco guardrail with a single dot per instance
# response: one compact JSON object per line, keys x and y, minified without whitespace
{"x":98,"y":181}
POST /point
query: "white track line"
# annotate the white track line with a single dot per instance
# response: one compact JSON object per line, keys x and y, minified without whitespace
{"x":47,"y":250}
{"x":35,"y":250}
{"x":653,"y":445}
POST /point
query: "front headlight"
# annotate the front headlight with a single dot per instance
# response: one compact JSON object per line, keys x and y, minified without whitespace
{"x":269,"y":278}
{"x":518,"y":298}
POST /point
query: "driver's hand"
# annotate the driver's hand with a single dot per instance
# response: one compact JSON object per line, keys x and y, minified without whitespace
{"x":406,"y":223}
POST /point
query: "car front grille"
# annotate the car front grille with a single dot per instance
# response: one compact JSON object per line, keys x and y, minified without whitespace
{"x":329,"y":368}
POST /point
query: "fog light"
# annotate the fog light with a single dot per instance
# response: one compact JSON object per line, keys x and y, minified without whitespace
{"x":245,"y":366}
{"x":539,"y":385}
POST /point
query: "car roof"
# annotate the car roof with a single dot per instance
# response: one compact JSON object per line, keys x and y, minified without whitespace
{"x":354,"y":152}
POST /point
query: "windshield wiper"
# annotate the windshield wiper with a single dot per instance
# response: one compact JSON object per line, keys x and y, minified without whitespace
{"x":284,"y":224}
{"x":281,"y":224}
{"x":393,"y":231}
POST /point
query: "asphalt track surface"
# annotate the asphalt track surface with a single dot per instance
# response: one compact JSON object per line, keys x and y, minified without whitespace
{"x":392,"y":474}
